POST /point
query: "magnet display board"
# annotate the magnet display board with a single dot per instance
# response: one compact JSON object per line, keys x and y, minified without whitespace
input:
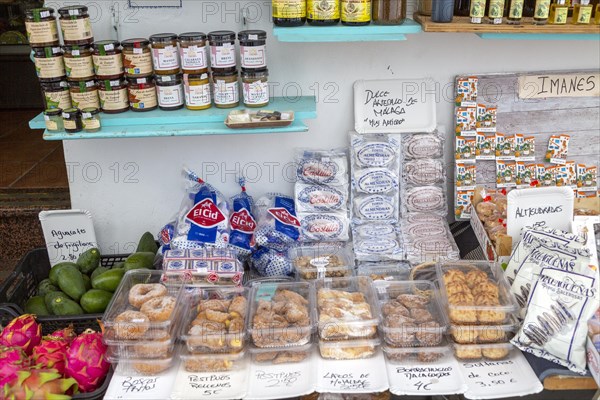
{"x":394,"y":106}
{"x":67,"y":233}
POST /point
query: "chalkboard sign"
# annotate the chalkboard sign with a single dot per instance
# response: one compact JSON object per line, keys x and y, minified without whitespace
{"x":67,"y":233}
{"x":394,"y":106}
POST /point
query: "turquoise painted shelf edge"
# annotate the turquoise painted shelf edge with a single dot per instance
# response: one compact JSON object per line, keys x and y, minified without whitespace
{"x":184,"y":122}
{"x":341,"y":33}
{"x":539,"y":36}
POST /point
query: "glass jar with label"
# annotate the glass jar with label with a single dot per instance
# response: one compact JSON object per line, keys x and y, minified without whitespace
{"x":53,"y":120}
{"x":169,"y":89}
{"x":142,"y":94}
{"x":137,"y":58}
{"x":108,"y":61}
{"x":113,"y":94}
{"x":226,"y":89}
{"x":192,"y":49}
{"x":255,"y":87}
{"x":253,"y":49}
{"x":289,"y":12}
{"x":79,"y":64}
{"x":49,"y":63}
{"x":165,"y":55}
{"x":222,"y":50}
{"x":355,"y":12}
{"x":72,"y":120}
{"x":91,"y":119}
{"x":322,"y":12}
{"x":56,"y":94}
{"x":84,"y":94}
{"x":75,"y":25}
{"x":390,"y":12}
{"x":40,"y":24}
{"x":197,"y":91}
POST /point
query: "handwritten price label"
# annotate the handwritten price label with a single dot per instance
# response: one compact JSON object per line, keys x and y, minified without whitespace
{"x":348,"y":382}
{"x":138,"y":385}
{"x":129,"y":387}
{"x":211,"y":385}
{"x":275,"y":381}
{"x":352,"y":376}
{"x":423,"y":378}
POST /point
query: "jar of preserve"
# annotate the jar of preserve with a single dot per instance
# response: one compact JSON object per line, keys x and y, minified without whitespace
{"x":253,"y":49}
{"x":289,"y":12}
{"x":72,"y":120}
{"x":79,"y":64}
{"x":192,"y":49}
{"x":197,"y":91}
{"x":91,"y":119}
{"x":53,"y":119}
{"x":114,"y":97}
{"x":49,"y":63}
{"x":56,"y":94}
{"x":390,"y":12}
{"x":355,"y":12}
{"x":169,"y":89}
{"x":108,"y":62}
{"x":222,"y":50}
{"x":75,"y":25}
{"x":142,"y":94}
{"x":137,"y":58}
{"x":225,"y":88}
{"x":255,"y":87}
{"x":40,"y":24}
{"x":84,"y":94}
{"x":165,"y":55}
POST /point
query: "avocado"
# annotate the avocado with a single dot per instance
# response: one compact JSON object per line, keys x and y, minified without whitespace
{"x":108,"y":280}
{"x":56,"y":269}
{"x":65,"y":306}
{"x":37,"y":306}
{"x":98,"y":271}
{"x":45,"y":287}
{"x":140,"y":261}
{"x":147,"y":243}
{"x":49,"y":298}
{"x":95,"y":301}
{"x":71,"y":282}
{"x":87,"y":281}
{"x":89,"y":260}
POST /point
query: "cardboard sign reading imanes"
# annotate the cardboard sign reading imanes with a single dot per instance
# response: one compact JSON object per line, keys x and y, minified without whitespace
{"x":547,"y":206}
{"x":394,"y":106}
{"x":564,"y":85}
{"x":67,"y":233}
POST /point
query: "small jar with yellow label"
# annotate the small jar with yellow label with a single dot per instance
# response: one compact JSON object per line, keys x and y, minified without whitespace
{"x":72,"y":120}
{"x":255,"y":87}
{"x":56,"y":94}
{"x":165,"y":55}
{"x":142,"y":94}
{"x":114,"y":97}
{"x":84,"y":94}
{"x":40,"y":24}
{"x":49,"y":63}
{"x":79,"y":64}
{"x":355,"y":12}
{"x":91,"y":119}
{"x":197,"y":91}
{"x":53,"y":120}
{"x":226,"y":89}
{"x":137,"y":58}
{"x":192,"y":49}
{"x":108,"y":61}
{"x":75,"y":25}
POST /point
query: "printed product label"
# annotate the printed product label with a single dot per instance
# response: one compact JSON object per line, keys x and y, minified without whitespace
{"x":169,"y":96}
{"x":222,"y":56}
{"x":165,"y":59}
{"x":477,"y":8}
{"x":322,"y":226}
{"x":516,"y":9}
{"x":70,"y":124}
{"x":197,"y":95}
{"x":226,"y":93}
{"x":108,"y":65}
{"x":313,"y":170}
{"x":378,"y":246}
{"x":560,"y":15}
{"x":254,"y":56}
{"x":496,"y":9}
{"x":376,"y":154}
{"x":51,"y":125}
{"x":585,"y":14}
{"x":142,"y":98}
{"x":60,"y":99}
{"x":323,"y":9}
{"x":289,"y":8}
{"x":52,"y":67}
{"x":76,"y":29}
{"x":378,"y":230}
{"x":114,"y":99}
{"x":376,"y":208}
{"x":256,"y":92}
{"x":41,"y":32}
{"x":242,"y":221}
{"x":80,"y":67}
{"x":138,"y":64}
{"x":321,"y":197}
{"x":376,"y":181}
{"x":320,"y":262}
{"x":542,"y":9}
{"x":205,"y":218}
{"x":193,"y":57}
{"x":85,"y":100}
{"x":284,"y":214}
{"x":92,"y":123}
{"x":356,"y":10}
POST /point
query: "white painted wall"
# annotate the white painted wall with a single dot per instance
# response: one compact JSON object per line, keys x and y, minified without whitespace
{"x":133,"y":185}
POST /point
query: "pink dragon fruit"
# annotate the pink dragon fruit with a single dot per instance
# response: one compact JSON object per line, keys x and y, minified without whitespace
{"x":67,"y":333}
{"x":51,"y":353}
{"x":12,"y":359}
{"x":86,"y":361}
{"x":39,"y":384}
{"x":22,"y":332}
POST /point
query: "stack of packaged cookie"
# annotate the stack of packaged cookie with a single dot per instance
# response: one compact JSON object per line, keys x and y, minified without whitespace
{"x":423,"y":200}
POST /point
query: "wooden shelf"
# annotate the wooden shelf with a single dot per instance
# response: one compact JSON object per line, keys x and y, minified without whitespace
{"x":343,"y":33}
{"x":526,"y":30}
{"x":184,"y":122}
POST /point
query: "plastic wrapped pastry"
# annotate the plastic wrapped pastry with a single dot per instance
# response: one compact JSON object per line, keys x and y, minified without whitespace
{"x":323,"y":167}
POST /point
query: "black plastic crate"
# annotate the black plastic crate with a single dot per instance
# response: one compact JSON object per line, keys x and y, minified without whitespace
{"x":22,"y":284}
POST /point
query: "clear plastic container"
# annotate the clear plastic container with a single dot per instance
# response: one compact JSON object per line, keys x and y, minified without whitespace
{"x":215,"y":320}
{"x":133,"y":326}
{"x":476,"y":293}
{"x":281,"y":355}
{"x":473,"y":334}
{"x":321,"y":260}
{"x":293,"y":320}
{"x":140,"y":349}
{"x":349,"y":349}
{"x":139,"y":366}
{"x":394,"y":271}
{"x":347,"y":309}
{"x":399,"y":355}
{"x":411,"y":312}
{"x":490,"y":351}
{"x":212,"y":362}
